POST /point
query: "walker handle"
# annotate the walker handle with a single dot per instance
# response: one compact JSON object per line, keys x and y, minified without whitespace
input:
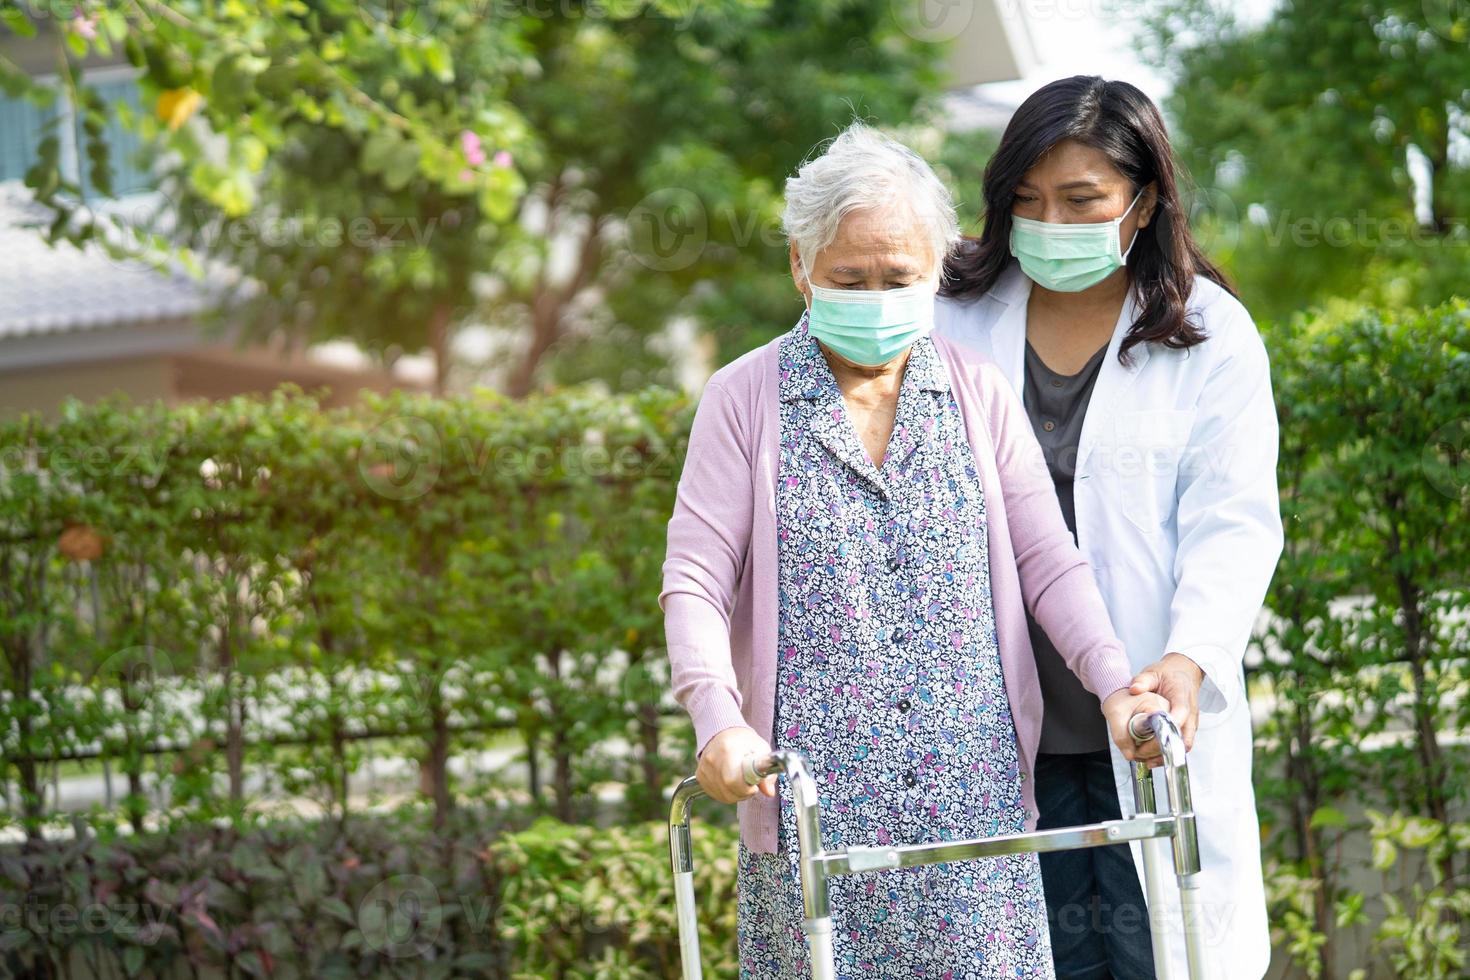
{"x":756,"y":766}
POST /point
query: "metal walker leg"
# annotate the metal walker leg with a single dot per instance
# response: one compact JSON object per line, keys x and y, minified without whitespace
{"x":1184,"y":850}
{"x":817,"y":865}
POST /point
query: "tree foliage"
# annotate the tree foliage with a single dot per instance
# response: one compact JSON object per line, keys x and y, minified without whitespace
{"x":1305,"y":132}
{"x":569,"y":176}
{"x":1367,"y":648}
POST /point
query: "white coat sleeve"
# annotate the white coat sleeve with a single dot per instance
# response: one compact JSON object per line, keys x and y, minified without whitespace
{"x":1229,"y":517}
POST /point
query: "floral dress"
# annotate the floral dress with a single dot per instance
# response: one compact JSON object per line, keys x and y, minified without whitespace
{"x":889,"y":681}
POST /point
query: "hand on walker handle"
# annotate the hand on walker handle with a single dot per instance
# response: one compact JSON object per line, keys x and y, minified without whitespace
{"x":1122,"y":709}
{"x":723,"y":762}
{"x":1177,"y":679}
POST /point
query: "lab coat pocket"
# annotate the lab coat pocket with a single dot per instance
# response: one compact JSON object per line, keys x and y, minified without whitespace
{"x":1147,"y":449}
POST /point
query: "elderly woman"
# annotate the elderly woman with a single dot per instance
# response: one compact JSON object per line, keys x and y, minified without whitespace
{"x":863,"y":520}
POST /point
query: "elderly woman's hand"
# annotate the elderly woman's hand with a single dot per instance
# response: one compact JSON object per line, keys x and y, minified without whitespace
{"x":1119,"y":708}
{"x":721,"y":765}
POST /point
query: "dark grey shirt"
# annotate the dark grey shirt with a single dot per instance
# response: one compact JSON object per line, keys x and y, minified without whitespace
{"x":1056,"y":404}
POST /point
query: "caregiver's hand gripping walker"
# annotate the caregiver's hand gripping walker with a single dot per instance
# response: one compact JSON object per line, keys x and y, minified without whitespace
{"x":818,"y":864}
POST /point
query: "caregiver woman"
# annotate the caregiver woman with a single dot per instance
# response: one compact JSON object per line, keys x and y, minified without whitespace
{"x":1148,"y":387}
{"x":862,"y":521}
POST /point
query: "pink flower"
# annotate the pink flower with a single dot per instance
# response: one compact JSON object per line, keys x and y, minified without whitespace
{"x":502,"y":159}
{"x":473,"y":151}
{"x":85,"y":26}
{"x":466,"y":174}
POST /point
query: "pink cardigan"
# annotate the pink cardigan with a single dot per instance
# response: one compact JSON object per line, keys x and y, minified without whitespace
{"x":719,"y":577}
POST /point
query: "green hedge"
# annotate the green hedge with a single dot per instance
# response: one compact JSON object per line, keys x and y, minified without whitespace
{"x":1368,"y":653}
{"x":260,"y":584}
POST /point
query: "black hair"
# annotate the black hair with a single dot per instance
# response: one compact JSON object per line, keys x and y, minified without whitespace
{"x":1118,"y":119}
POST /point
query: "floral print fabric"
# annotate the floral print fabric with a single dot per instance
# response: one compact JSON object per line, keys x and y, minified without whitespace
{"x":889,"y":681}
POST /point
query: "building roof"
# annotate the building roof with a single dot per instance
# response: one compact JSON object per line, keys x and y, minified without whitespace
{"x":66,"y":305}
{"x":61,"y":289}
{"x":974,"y":108}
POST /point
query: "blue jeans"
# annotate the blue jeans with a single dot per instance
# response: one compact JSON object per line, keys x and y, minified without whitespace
{"x":1099,"y":920}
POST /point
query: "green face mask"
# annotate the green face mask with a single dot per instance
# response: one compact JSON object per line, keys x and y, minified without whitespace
{"x":1070,"y":257}
{"x":869,"y":326}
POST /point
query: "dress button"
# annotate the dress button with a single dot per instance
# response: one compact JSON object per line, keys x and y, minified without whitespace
{"x":908,"y":778}
{"x":900,"y":637}
{"x":894,"y":563}
{"x":1055,"y":383}
{"x":904,"y":705}
{"x":1048,"y":425}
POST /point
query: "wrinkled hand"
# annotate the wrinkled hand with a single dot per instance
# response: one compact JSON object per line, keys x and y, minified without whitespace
{"x":721,"y":765}
{"x":1119,"y":707}
{"x":1178,"y":679}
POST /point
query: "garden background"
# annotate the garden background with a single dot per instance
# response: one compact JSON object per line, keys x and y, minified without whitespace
{"x":379,"y":689}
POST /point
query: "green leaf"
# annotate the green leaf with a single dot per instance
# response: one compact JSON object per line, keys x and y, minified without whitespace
{"x":1384,"y":854}
{"x":378,"y":148}
{"x":17,"y":22}
{"x":401,"y":166}
{"x":439,"y":61}
{"x":337,"y":909}
{"x":1328,"y":817}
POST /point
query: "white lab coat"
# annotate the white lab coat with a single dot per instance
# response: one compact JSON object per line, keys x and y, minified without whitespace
{"x":1177,"y":513}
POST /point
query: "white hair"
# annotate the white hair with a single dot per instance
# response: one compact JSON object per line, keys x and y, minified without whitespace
{"x":864,"y":170}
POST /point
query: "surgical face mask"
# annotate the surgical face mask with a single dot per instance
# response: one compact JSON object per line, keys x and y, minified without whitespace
{"x":869,"y":326}
{"x":1070,"y":257}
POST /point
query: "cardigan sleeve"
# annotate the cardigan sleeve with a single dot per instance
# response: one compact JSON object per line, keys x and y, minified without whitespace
{"x":1056,"y":581}
{"x":708,"y":540}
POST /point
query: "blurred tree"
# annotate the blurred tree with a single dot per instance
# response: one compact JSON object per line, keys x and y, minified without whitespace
{"x":1330,"y":142}
{"x":572,"y":177}
{"x":336,"y":151}
{"x":657,"y":194}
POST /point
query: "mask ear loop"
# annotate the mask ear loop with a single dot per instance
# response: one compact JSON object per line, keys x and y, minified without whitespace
{"x":1119,"y":228}
{"x":807,"y":296}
